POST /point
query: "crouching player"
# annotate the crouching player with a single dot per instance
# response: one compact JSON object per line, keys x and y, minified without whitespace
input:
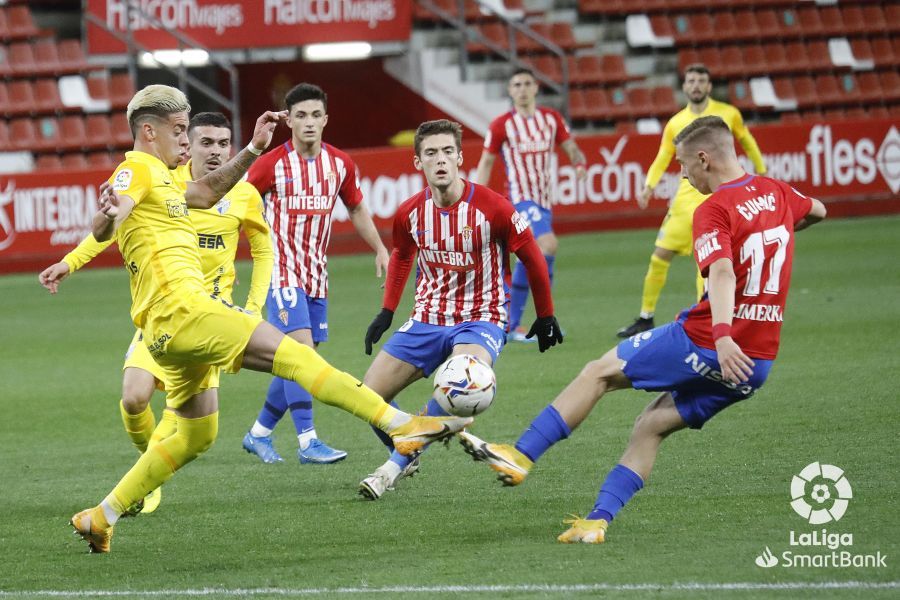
{"x":716,"y":353}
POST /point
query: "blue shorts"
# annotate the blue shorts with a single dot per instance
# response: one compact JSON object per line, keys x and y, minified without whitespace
{"x":428,"y":346}
{"x":666,"y":360}
{"x":540,"y":219}
{"x":290,"y":309}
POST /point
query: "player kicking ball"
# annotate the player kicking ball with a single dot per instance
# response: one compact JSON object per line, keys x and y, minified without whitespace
{"x":458,"y":235}
{"x":191,"y":334}
{"x":716,"y":353}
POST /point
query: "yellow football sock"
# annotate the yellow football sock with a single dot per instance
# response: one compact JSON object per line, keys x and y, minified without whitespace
{"x":139,"y":427}
{"x":701,"y":287}
{"x":302,"y":364}
{"x":191,"y":439}
{"x":165,"y":428}
{"x":654,"y":282}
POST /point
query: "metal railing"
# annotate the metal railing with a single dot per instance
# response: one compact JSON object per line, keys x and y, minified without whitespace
{"x":185,"y":79}
{"x":513,"y":28}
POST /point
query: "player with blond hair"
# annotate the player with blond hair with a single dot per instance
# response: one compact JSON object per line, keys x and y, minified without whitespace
{"x":674,"y":235}
{"x":218,"y":229}
{"x":189,"y":333}
{"x":717,"y":352}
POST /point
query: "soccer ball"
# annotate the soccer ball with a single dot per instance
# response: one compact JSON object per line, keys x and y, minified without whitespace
{"x":464,"y":385}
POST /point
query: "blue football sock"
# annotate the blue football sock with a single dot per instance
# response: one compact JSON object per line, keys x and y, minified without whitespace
{"x":299,"y":401}
{"x":550,"y":262}
{"x":384,"y":437}
{"x":546,"y":429}
{"x":620,"y":485}
{"x":275,"y":404}
{"x":518,"y":296}
{"x":432,"y":409}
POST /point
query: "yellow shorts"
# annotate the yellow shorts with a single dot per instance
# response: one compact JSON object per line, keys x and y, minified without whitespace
{"x":138,"y":357}
{"x":191,"y":336}
{"x":676,"y":232}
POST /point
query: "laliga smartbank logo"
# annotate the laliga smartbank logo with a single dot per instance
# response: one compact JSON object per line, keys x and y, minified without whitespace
{"x":820,"y":494}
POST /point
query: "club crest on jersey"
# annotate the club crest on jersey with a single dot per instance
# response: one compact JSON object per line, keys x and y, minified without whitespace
{"x":519,"y":223}
{"x":467,"y":232}
{"x":222,"y":206}
{"x":122,"y":180}
{"x":332,"y":178}
{"x":283,"y":316}
{"x":706,"y":244}
{"x":177,"y":208}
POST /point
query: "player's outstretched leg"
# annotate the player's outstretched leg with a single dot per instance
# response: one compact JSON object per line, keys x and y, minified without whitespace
{"x":556,"y":422}
{"x":270,"y":350}
{"x":652,"y":426}
{"x":191,"y":438}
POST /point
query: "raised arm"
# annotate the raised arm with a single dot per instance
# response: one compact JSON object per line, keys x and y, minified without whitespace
{"x":210,"y":188}
{"x":114,"y":208}
{"x":815,"y":214}
{"x":257,"y":232}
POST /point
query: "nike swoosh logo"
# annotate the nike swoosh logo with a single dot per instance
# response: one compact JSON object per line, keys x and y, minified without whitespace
{"x":359,"y":385}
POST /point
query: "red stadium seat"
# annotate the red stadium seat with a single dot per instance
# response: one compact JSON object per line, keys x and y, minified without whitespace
{"x":74,"y":162}
{"x":832,"y":23}
{"x":20,"y":57}
{"x":640,"y":103}
{"x":98,"y":88}
{"x":121,"y":132}
{"x":869,"y":87}
{"x":585,"y":70}
{"x":47,"y":134}
{"x":819,"y":56}
{"x":577,"y":105}
{"x":805,"y":91}
{"x":72,"y":133}
{"x":883,"y":51}
{"x":746,"y":26}
{"x":662,"y":26}
{"x":687,"y":56}
{"x":712,"y":58}
{"x":732,"y":61}
{"x":597,"y":105}
{"x":776,"y":58}
{"x":832,"y":91}
{"x":618,"y":104}
{"x":739,"y":95}
{"x":810,"y":21}
{"x":796,"y":57}
{"x":879,"y":21}
{"x":890,"y":15}
{"x":853,"y":21}
{"x":21,"y":97}
{"x":100,"y":160}
{"x":99,"y":132}
{"x":5,"y":67}
{"x":862,"y":49}
{"x":890,"y":85}
{"x":755,"y":60}
{"x":548,"y":66}
{"x":4,"y":100}
{"x":20,"y":24}
{"x":5,"y":144}
{"x":788,"y":24}
{"x":46,"y":58}
{"x":724,"y":27}
{"x":664,"y":102}
{"x":46,"y":94}
{"x":47,"y":162}
{"x":768,"y":24}
{"x":22,"y":134}
{"x":71,"y":57}
{"x":121,"y":89}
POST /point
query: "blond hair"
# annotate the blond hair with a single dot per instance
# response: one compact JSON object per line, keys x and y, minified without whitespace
{"x":158,"y":101}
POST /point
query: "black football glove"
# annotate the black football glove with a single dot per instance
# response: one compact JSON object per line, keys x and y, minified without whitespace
{"x":547,"y":331}
{"x":380,"y":324}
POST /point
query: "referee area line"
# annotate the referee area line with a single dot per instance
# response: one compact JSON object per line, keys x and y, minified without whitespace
{"x":464,"y":589}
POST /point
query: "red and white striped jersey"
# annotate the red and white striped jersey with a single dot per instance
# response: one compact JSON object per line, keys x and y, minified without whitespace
{"x":463,"y":253}
{"x":527,"y":145}
{"x":299,"y":195}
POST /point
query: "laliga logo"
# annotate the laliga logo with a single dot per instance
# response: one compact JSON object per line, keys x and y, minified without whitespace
{"x":820,"y":484}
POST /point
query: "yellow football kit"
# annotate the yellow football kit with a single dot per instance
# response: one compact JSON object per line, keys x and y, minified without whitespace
{"x":217,"y":238}
{"x":675,"y":233}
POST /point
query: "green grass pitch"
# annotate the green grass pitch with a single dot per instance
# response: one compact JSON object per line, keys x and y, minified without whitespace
{"x":230,"y":526}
